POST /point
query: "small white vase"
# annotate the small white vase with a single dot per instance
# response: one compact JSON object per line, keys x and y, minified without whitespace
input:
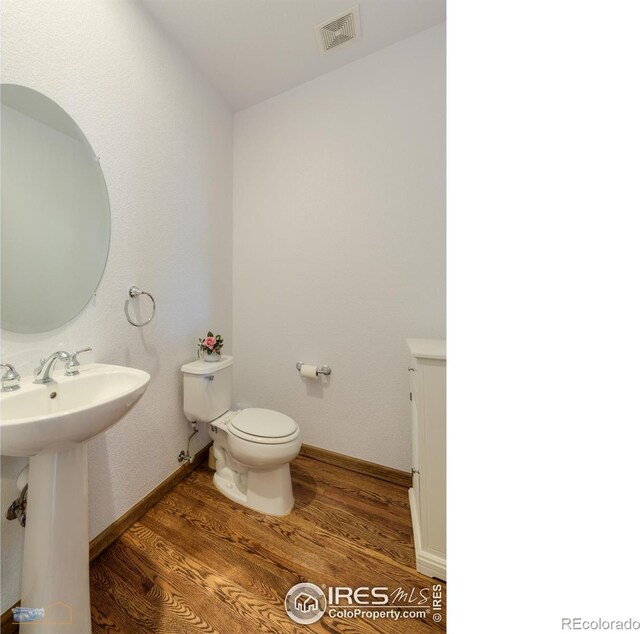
{"x":214,"y":356}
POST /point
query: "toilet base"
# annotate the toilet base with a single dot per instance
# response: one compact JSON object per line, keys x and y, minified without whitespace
{"x":267,"y":491}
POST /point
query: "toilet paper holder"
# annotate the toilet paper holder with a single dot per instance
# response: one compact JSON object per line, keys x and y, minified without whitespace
{"x":323,"y":369}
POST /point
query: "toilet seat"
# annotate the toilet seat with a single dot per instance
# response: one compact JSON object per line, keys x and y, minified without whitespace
{"x":264,"y":426}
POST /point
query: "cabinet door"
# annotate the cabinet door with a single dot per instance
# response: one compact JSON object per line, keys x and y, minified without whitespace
{"x":433,"y":461}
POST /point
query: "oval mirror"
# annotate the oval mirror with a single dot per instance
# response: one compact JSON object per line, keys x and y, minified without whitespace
{"x":55,"y":217}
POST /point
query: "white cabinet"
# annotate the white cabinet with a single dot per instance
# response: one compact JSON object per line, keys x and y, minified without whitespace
{"x":427,"y":497}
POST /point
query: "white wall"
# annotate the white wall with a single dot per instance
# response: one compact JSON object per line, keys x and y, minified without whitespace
{"x":165,"y":142}
{"x":339,"y":245}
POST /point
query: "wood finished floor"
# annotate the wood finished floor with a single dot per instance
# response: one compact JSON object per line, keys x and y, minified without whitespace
{"x":197,"y":562}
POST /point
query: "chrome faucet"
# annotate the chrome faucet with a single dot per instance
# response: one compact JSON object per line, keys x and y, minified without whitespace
{"x":10,"y":378}
{"x":42,"y":374}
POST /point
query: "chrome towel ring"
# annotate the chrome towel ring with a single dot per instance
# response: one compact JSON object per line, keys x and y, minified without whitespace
{"x":134,"y":291}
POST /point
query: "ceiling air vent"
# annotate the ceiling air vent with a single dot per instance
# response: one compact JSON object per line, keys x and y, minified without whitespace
{"x":339,"y":30}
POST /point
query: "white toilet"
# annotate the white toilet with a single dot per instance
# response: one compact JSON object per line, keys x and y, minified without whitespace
{"x":252,"y":447}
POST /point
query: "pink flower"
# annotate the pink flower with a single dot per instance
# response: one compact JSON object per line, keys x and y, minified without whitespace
{"x":209,"y":342}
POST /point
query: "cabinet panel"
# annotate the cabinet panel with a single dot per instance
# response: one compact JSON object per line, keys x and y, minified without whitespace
{"x":434,"y":495}
{"x":428,"y":429}
{"x":415,"y":459}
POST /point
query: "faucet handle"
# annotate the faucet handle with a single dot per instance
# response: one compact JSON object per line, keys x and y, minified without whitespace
{"x":10,"y":378}
{"x":71,"y":367}
{"x":77,"y":352}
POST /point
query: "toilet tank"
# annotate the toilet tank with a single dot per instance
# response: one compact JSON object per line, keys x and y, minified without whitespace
{"x":207,"y":389}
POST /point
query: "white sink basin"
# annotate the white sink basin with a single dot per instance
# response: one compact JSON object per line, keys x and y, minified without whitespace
{"x":71,"y":409}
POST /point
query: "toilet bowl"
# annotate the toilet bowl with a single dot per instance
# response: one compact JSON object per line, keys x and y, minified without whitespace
{"x":252,"y":467}
{"x":252,"y":447}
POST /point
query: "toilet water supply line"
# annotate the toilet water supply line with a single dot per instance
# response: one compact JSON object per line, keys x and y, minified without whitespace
{"x":185,"y":455}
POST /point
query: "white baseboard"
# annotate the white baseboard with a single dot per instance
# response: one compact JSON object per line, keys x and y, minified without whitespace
{"x":427,"y":563}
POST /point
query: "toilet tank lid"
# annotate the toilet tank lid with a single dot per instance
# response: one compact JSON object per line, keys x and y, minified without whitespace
{"x":205,"y":368}
{"x":264,"y":423}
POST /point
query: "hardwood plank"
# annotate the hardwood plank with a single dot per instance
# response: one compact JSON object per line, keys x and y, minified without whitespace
{"x":242,"y":598}
{"x":290,"y":541}
{"x":355,"y":488}
{"x":147,"y":593}
{"x":177,"y":573}
{"x":238,"y":561}
{"x":309,"y":490}
{"x":309,"y":518}
{"x":7,"y":626}
{"x":113,"y":531}
{"x":102,"y":621}
{"x":371,"y":469}
{"x":190,"y":502}
{"x":198,"y":562}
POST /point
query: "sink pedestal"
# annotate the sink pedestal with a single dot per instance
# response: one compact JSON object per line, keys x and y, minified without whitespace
{"x":55,"y":570}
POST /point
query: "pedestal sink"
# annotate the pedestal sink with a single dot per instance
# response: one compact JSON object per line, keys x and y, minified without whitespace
{"x":51,"y":423}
